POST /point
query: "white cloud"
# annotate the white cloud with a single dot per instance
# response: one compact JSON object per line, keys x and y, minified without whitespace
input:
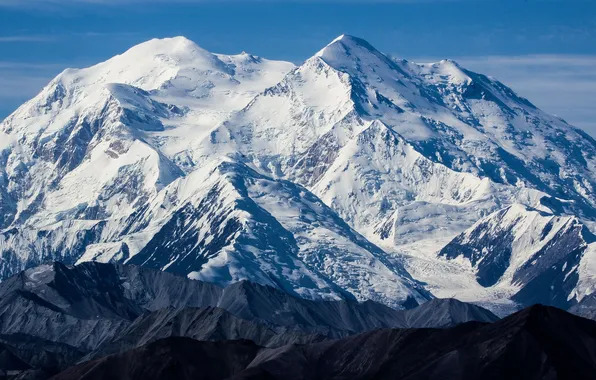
{"x":26,"y":38}
{"x":58,"y":37}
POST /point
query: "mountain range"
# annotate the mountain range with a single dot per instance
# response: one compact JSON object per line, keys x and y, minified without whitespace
{"x":352,"y":176}
{"x":54,"y":316}
{"x":97,"y":321}
{"x":530,"y":344}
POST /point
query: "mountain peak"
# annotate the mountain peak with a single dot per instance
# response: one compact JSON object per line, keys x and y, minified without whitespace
{"x":168,"y":43}
{"x":341,"y":162}
{"x":346,"y":38}
{"x":345,"y":45}
{"x":175,"y":50}
{"x":148,"y":65}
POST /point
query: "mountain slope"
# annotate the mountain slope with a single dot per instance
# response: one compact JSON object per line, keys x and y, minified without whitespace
{"x":205,"y":324}
{"x":536,"y":343}
{"x":53,"y":316}
{"x":170,"y":358}
{"x":231,"y":223}
{"x":549,"y":349}
{"x":89,"y":304}
{"x":585,"y":308}
{"x":331,"y":179}
{"x":411,"y":155}
{"x":446,"y":313}
{"x":535,"y":255}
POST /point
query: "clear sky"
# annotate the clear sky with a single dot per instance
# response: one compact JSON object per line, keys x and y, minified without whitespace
{"x":543,"y":49}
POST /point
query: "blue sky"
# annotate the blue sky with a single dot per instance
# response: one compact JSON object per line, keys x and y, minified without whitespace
{"x":543,"y":49}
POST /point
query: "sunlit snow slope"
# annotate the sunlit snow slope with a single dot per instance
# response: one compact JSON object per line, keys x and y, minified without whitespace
{"x":351,"y":175}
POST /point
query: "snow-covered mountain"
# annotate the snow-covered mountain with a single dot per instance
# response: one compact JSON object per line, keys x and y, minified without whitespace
{"x":352,"y":175}
{"x":536,"y":257}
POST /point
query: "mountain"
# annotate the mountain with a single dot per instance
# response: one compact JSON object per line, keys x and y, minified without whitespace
{"x":54,"y":316}
{"x":216,"y":324}
{"x":586,"y":308}
{"x":41,"y":357}
{"x":170,"y":358}
{"x":351,"y":176}
{"x":205,"y":324}
{"x":268,"y":231}
{"x":442,"y":313}
{"x":534,"y":256}
{"x":87,"y":305}
{"x":537,"y":343}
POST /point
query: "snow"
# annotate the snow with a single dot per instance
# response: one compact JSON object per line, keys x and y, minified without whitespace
{"x":338,"y":176}
{"x":587,"y":274}
{"x":5,"y":141}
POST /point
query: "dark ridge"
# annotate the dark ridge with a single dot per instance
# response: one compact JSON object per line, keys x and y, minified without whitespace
{"x":55,"y":315}
{"x":539,"y":342}
{"x":170,"y":358}
{"x":204,"y":324}
{"x":95,"y":291}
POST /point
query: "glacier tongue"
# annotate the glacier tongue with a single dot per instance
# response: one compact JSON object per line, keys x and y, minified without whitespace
{"x":230,"y":167}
